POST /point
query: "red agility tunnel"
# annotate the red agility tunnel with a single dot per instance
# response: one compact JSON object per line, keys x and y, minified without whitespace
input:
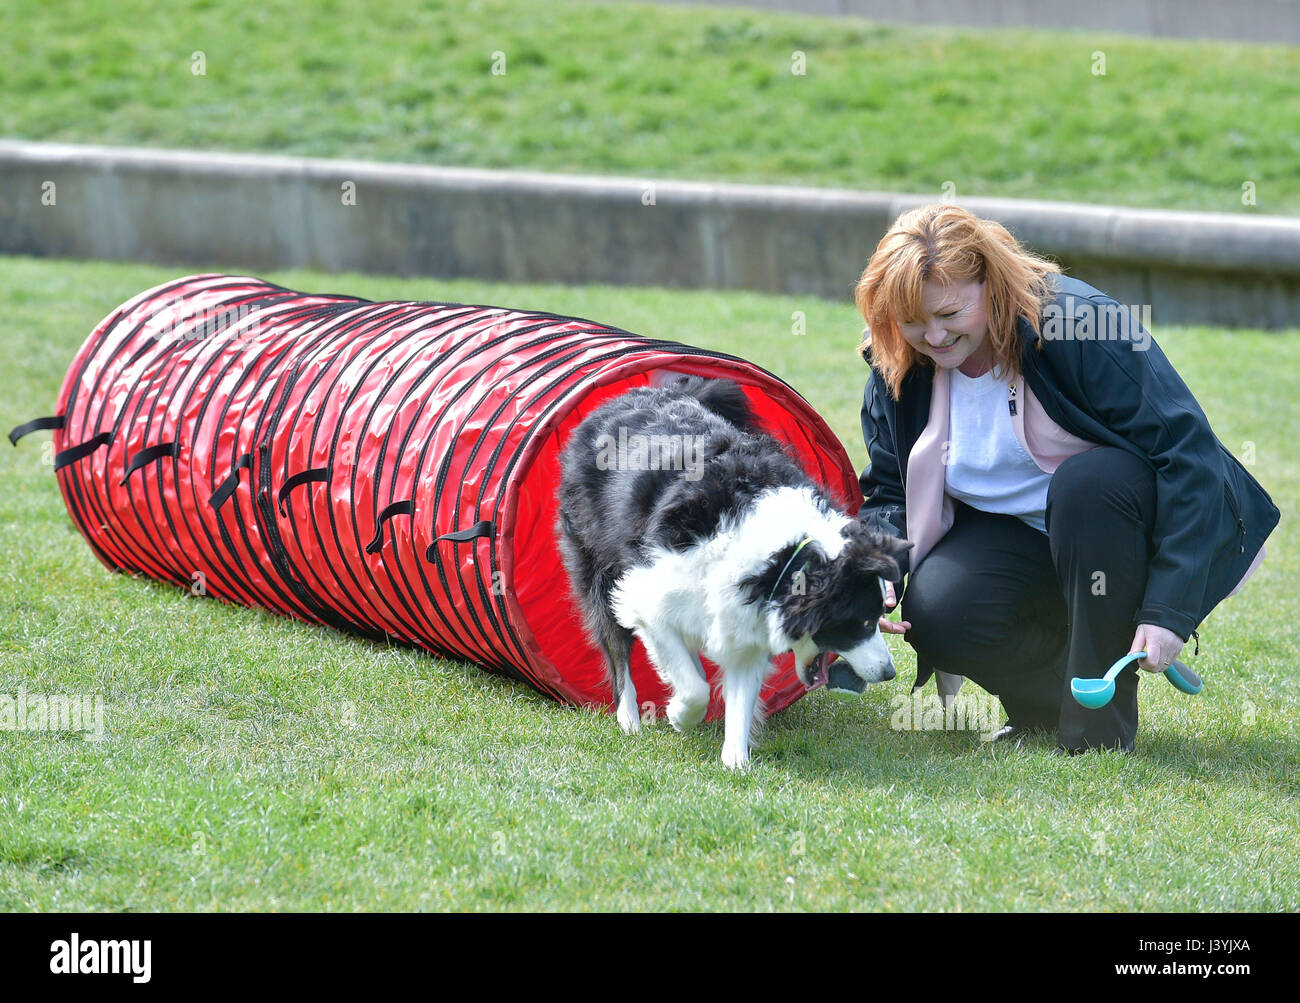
{"x":385,"y":468}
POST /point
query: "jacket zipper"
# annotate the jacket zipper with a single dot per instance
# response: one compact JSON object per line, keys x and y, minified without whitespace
{"x":1236,"y":512}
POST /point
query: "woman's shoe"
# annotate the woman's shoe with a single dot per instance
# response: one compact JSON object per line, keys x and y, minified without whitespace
{"x":1116,"y":747}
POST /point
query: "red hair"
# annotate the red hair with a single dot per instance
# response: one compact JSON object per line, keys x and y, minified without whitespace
{"x":948,"y":244}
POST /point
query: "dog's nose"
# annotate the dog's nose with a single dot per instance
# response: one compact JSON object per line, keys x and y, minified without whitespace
{"x":889,"y":673}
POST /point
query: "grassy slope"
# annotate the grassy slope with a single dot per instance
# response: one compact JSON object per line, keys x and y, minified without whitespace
{"x":668,"y":92}
{"x":256,"y":763}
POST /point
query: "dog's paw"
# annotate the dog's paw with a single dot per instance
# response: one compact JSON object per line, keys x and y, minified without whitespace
{"x":628,"y":719}
{"x":684,"y":715}
{"x":735,"y":758}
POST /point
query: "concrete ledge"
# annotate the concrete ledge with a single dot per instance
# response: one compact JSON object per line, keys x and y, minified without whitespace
{"x":1276,"y":22}
{"x":251,"y":212}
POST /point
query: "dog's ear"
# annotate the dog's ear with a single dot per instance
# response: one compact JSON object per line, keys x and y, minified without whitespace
{"x":896,"y":546}
{"x":877,"y":553}
{"x":758,"y":586}
{"x":803,"y":594}
{"x":779,"y":569}
{"x":895,"y":549}
{"x":884,"y":565}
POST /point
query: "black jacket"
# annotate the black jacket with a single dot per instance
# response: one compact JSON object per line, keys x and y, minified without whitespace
{"x":1212,"y":516}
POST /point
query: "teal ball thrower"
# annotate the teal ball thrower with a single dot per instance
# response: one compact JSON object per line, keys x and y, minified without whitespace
{"x":1094,"y":693}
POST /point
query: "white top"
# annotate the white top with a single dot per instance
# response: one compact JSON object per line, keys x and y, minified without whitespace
{"x":986,"y":466}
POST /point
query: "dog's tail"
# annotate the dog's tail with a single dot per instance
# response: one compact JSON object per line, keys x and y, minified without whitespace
{"x":723,"y":397}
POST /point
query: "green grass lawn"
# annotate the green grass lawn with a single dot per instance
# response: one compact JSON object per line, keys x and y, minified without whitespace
{"x":251,"y":762}
{"x":668,"y":92}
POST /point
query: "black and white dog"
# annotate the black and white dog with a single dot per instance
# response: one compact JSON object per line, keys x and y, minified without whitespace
{"x":684,"y":524}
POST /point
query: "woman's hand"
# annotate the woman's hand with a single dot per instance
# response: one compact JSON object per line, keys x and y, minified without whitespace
{"x":892,"y":626}
{"x":1161,"y":645}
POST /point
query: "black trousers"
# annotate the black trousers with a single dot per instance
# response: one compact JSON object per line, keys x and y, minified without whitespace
{"x":1021,"y":614}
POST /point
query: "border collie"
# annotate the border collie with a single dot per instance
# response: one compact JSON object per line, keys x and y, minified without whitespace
{"x":684,"y":524}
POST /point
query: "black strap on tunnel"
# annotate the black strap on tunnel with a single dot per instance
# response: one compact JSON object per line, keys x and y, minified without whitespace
{"x":150,"y":454}
{"x":405,"y":507}
{"x":227,"y":487}
{"x":301,"y":477}
{"x":35,"y":425}
{"x":483,"y":528}
{"x":74,"y":453}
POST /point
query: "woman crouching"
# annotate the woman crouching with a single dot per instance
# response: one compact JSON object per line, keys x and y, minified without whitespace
{"x":1066,"y":496}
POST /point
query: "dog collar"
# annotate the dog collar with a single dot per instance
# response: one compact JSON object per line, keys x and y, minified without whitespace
{"x":803,"y":543}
